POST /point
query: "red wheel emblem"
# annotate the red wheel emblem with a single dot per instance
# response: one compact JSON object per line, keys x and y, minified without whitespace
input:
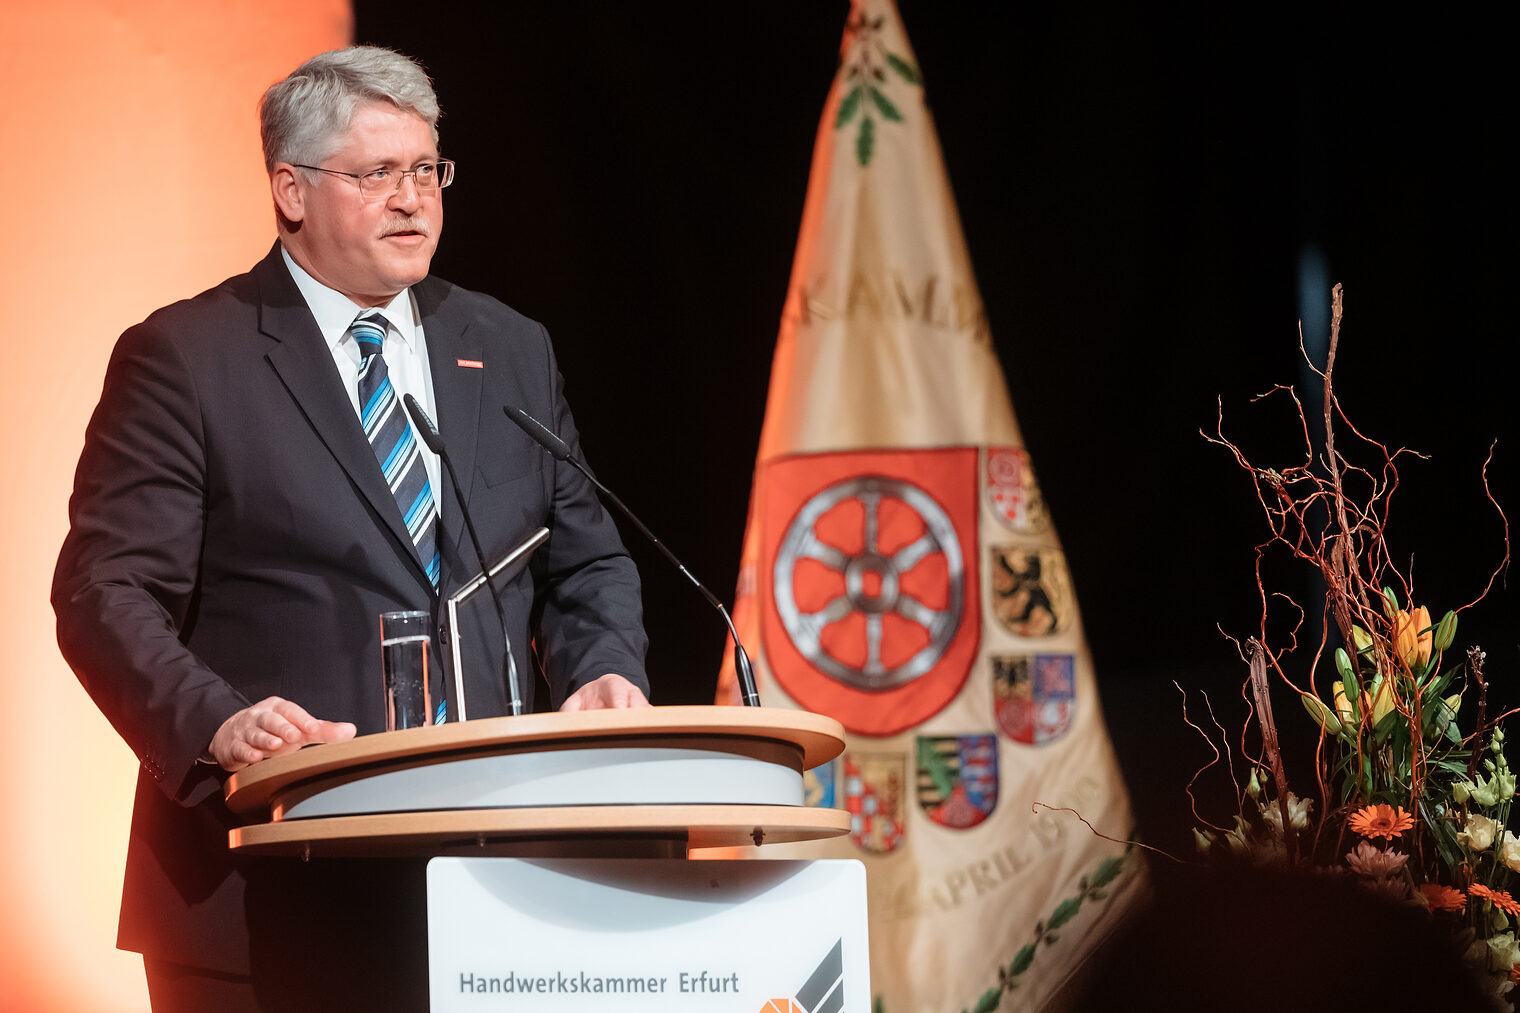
{"x":868,"y":589}
{"x":871,"y":607}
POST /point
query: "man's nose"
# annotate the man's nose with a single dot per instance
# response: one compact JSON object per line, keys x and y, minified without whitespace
{"x":407,"y":196}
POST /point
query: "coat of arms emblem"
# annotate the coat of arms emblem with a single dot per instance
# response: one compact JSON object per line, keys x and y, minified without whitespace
{"x":1034,"y":696}
{"x":874,"y":788}
{"x":958,"y":778}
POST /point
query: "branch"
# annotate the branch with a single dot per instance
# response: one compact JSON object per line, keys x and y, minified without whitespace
{"x":1262,"y":692}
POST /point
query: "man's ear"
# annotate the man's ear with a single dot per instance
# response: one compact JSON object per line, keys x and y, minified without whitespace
{"x":289,"y":201}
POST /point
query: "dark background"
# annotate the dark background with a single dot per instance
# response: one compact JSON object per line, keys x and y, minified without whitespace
{"x":1141,"y":193}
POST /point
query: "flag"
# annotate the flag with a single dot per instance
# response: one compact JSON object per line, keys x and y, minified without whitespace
{"x":902,"y":574}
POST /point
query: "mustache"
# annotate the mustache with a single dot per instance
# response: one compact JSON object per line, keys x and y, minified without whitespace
{"x":406,"y":223}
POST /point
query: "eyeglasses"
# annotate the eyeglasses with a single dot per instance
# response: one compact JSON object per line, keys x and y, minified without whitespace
{"x":378,"y":183}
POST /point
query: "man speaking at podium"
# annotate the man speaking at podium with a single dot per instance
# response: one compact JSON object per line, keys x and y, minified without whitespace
{"x":236,"y":530}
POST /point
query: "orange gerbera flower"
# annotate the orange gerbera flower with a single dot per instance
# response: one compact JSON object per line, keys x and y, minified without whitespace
{"x":1443,"y":898}
{"x":1504,"y":902}
{"x":1381,"y":821}
{"x":1500,"y":899}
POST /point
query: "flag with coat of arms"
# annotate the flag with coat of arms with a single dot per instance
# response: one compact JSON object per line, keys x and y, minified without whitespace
{"x":901,"y":574}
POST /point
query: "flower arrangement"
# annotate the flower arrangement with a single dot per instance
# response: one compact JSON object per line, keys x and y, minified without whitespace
{"x":1409,"y":804}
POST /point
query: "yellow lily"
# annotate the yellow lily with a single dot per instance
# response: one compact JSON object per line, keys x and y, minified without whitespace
{"x":1414,"y":638}
{"x":1342,"y":705}
{"x":1382,"y":701}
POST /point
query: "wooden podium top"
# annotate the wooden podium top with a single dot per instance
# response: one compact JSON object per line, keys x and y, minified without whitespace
{"x":819,"y":739}
{"x":612,"y":831}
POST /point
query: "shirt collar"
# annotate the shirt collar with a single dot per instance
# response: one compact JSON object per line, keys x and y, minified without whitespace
{"x":335,"y":311}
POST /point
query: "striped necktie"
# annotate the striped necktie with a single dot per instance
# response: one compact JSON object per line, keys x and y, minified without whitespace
{"x":395,"y":444}
{"x":396,"y":448}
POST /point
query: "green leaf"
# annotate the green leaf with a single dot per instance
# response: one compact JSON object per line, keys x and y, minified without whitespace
{"x":1064,"y":912}
{"x":933,"y":764}
{"x":1021,"y":960}
{"x":878,"y":1006}
{"x":1437,"y":686}
{"x":888,"y":110}
{"x":847,"y":107}
{"x":1108,"y":869}
{"x":1439,"y":717}
{"x":989,"y":1001}
{"x":904,"y":69}
{"x":1386,"y":726}
{"x":865,"y":141}
{"x":1444,"y":833}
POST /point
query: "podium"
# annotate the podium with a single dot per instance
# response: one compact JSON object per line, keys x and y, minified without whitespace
{"x":651,"y":782}
{"x":558,"y":842}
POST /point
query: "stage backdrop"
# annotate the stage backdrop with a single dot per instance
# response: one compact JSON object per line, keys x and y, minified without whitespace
{"x":139,"y":124}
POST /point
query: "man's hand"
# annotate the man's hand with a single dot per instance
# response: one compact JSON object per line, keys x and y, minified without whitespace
{"x":269,"y":728}
{"x":608,"y":691}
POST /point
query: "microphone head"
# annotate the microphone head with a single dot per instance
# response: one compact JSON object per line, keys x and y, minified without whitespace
{"x":538,"y":432}
{"x":424,"y":425}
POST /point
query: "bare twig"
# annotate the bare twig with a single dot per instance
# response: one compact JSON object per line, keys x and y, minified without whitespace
{"x":1263,"y":694}
{"x":1504,"y":563}
{"x":1035,"y":807}
{"x":1475,"y":666}
{"x":1193,"y":799}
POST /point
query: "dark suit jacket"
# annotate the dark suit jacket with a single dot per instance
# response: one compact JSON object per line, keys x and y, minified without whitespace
{"x":232,"y":538}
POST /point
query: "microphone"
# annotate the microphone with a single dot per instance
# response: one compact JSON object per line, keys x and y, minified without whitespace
{"x":434,"y":442}
{"x":560,"y":451}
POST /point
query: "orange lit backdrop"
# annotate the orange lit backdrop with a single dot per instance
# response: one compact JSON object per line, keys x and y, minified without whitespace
{"x":133,"y":178}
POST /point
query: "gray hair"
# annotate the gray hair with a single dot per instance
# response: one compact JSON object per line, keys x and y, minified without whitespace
{"x":302,"y":117}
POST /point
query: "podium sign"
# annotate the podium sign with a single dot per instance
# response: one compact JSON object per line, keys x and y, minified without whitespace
{"x":568,"y":935}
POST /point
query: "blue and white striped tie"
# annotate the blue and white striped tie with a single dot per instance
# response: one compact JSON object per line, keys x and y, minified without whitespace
{"x":395,"y":445}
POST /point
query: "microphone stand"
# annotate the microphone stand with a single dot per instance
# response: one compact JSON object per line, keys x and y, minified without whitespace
{"x":560,"y":451}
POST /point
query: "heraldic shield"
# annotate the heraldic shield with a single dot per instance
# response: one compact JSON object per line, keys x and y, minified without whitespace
{"x":868,"y":583}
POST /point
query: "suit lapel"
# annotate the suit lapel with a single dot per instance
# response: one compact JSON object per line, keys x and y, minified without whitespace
{"x":456,"y":394}
{"x":305,"y":366}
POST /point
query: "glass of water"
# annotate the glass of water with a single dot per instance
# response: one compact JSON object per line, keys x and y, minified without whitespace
{"x":404,"y":638}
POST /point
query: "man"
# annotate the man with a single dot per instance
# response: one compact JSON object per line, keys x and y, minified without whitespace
{"x":250,"y":498}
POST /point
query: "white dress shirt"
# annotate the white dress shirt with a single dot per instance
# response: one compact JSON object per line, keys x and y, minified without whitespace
{"x":406,"y":355}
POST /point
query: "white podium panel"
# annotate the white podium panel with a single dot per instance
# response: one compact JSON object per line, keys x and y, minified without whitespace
{"x":569,"y":935}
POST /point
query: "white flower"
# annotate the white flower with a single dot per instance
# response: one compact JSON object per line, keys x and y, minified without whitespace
{"x":1239,"y":839}
{"x":1503,"y":952}
{"x":1371,"y":860}
{"x":1511,"y":851}
{"x":1298,"y":814}
{"x":1479,"y":832}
